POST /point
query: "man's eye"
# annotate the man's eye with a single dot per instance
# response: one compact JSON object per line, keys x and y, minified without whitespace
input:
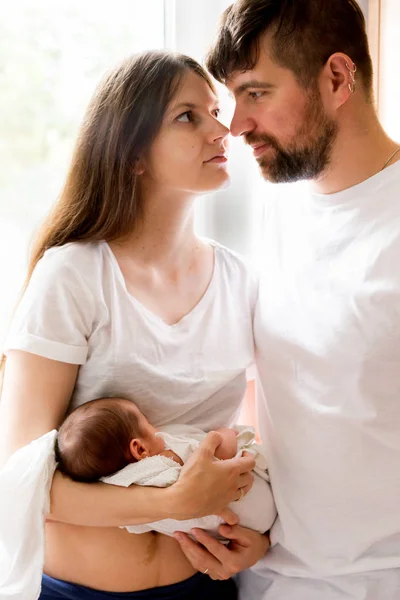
{"x":216,"y":112}
{"x":186,"y":117}
{"x":256,"y":95}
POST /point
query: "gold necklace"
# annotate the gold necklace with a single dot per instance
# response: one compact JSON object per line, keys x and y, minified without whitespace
{"x":390,"y":158}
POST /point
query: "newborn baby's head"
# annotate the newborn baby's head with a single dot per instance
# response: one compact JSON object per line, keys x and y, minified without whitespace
{"x":103,"y":436}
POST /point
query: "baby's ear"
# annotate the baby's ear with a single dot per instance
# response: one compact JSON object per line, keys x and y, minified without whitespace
{"x":138,"y":449}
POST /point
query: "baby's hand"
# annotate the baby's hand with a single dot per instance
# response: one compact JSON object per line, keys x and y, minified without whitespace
{"x":228,"y":446}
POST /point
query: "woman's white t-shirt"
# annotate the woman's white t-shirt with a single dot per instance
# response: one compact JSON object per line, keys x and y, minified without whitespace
{"x":77,"y":310}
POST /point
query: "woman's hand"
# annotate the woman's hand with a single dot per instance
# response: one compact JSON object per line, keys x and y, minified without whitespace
{"x":210,"y":556}
{"x":206,"y":486}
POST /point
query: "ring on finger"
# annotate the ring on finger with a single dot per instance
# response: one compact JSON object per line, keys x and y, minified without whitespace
{"x":241,"y":490}
{"x":205,"y":572}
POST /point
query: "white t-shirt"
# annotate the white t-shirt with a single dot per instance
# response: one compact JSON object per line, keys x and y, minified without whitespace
{"x":77,"y":310}
{"x":327,"y":332}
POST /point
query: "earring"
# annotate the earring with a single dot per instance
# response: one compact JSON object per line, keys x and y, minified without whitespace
{"x":352,"y":71}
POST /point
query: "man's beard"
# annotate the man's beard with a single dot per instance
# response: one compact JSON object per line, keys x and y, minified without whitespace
{"x":309,"y":154}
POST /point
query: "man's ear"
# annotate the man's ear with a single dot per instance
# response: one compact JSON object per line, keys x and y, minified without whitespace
{"x":138,"y":449}
{"x":340,"y":72}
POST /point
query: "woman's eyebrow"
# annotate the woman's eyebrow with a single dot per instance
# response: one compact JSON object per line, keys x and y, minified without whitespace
{"x":188,"y":105}
{"x":184,"y":105}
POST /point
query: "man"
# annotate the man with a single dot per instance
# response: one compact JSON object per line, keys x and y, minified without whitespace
{"x":328,"y":320}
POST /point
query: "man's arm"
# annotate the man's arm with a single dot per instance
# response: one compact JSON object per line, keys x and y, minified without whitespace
{"x":210,"y":556}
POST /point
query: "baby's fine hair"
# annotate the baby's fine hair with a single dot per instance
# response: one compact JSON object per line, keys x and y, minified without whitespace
{"x":93,"y":441}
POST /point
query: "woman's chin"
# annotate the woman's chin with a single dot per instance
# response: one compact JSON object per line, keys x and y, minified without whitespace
{"x":221,"y":181}
{"x":224,"y":184}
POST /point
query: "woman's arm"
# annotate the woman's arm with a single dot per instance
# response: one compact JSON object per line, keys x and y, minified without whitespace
{"x":36,"y":394}
{"x":35,"y":397}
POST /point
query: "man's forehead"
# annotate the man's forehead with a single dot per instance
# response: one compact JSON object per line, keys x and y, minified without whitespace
{"x":255,"y":78}
{"x":266,"y":74}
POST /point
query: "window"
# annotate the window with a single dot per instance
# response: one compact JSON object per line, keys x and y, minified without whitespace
{"x":385,"y":23}
{"x":52,"y":55}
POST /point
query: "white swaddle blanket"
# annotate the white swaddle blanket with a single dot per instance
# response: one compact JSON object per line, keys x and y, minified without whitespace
{"x":25,"y":482}
{"x":256,"y":510}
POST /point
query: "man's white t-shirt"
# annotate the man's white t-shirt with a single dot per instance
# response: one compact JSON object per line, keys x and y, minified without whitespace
{"x":327,"y":332}
{"x":77,"y":309}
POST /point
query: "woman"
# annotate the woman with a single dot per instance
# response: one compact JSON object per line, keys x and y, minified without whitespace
{"x":123,"y":299}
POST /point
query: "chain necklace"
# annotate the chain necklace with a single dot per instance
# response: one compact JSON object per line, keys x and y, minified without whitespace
{"x":390,"y":158}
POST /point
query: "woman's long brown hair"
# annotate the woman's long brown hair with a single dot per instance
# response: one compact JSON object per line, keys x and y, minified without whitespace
{"x":100,"y":199}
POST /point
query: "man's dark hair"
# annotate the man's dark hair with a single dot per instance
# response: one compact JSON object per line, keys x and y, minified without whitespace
{"x":305,"y":33}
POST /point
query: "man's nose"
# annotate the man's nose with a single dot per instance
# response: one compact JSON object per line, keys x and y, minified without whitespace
{"x":241,"y":123}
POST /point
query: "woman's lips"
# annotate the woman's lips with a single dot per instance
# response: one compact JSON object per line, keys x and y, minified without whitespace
{"x":217,"y":159}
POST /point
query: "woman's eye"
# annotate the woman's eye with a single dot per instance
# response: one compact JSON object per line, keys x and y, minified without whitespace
{"x":186,"y":117}
{"x":216,"y":112}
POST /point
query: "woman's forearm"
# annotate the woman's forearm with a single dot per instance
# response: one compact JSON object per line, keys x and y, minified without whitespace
{"x":104,"y":505}
{"x":205,"y":487}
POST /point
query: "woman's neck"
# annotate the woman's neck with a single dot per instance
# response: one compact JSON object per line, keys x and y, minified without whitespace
{"x":165,"y":236}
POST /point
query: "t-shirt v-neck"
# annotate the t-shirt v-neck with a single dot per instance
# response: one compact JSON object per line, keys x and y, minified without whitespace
{"x":200,"y":306}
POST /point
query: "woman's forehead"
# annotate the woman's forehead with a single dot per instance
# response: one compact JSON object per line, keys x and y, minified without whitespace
{"x":194,"y":89}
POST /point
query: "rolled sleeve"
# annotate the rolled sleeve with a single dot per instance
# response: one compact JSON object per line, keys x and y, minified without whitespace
{"x":75,"y":355}
{"x":56,"y":314}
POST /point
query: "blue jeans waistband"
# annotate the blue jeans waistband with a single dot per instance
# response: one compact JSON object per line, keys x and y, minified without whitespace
{"x":197,"y":587}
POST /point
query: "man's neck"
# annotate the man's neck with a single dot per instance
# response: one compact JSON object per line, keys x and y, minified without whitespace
{"x":360,"y":151}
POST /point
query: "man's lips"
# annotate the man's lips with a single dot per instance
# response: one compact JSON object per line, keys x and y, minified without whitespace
{"x":259,"y":149}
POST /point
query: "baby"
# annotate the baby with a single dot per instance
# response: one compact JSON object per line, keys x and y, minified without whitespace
{"x":103,"y":436}
{"x":111,"y":440}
